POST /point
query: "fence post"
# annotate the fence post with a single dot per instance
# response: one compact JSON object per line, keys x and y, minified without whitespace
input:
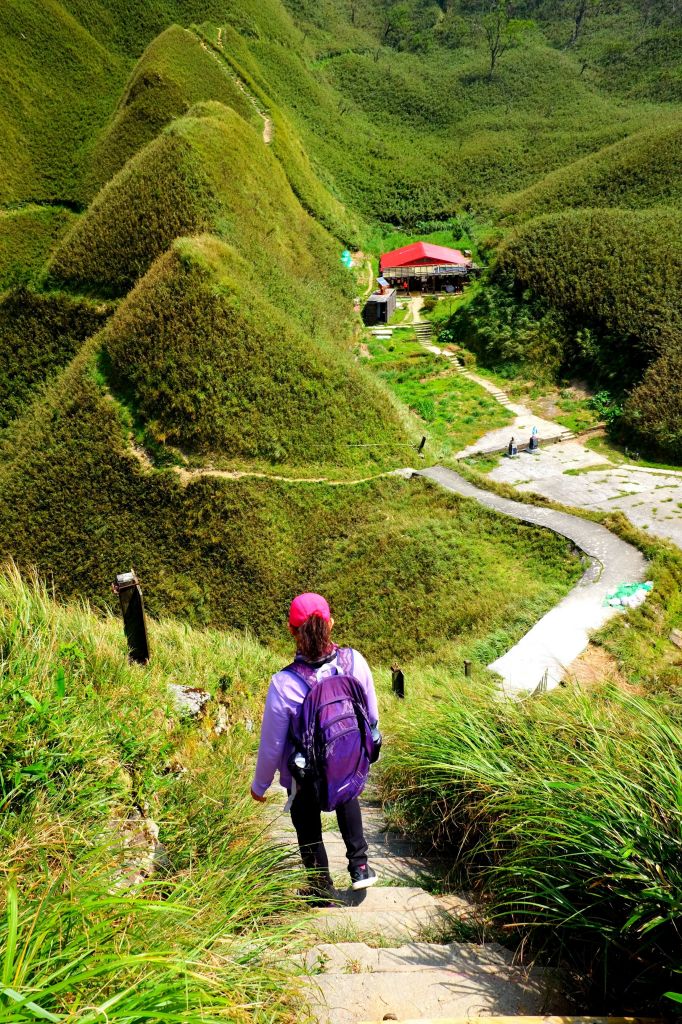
{"x":467,"y":668}
{"x":127,"y":586}
{"x":398,"y":681}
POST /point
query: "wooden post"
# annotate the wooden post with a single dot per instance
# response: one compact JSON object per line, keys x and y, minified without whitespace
{"x":467,"y":668}
{"x":398,"y":681}
{"x":127,"y":586}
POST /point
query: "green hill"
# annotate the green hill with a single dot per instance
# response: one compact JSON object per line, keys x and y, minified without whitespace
{"x":211,"y":365}
{"x":173,"y":74}
{"x":618,"y":270}
{"x":39,"y":335}
{"x":27,"y":237}
{"x":641,"y":171}
{"x":79,"y":503}
{"x":202,"y":173}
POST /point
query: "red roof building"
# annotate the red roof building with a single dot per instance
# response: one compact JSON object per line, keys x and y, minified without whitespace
{"x":423,"y":266}
{"x":423,"y":254}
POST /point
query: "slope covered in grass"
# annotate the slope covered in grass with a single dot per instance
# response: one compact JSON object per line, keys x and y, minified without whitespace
{"x":616,"y":268}
{"x":56,"y":88}
{"x":27,"y":236}
{"x":39,"y":335}
{"x":173,"y":74}
{"x":641,"y":171}
{"x":78,"y":503}
{"x":564,"y":810}
{"x":210,"y":171}
{"x":88,"y":741}
{"x":211,"y":365}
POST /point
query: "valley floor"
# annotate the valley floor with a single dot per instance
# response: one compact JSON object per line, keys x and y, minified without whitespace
{"x":569,"y":472}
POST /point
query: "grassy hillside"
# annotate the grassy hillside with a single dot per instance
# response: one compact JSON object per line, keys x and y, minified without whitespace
{"x":173,"y":74}
{"x":89,"y":742}
{"x":78,"y":503}
{"x":618,"y":270}
{"x":641,"y":171}
{"x":39,"y":335}
{"x":202,"y":173}
{"x":56,"y":88}
{"x":27,"y":237}
{"x":210,"y":365}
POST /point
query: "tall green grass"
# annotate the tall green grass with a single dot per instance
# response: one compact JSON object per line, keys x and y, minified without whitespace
{"x":85,"y":739}
{"x":566,"y":812}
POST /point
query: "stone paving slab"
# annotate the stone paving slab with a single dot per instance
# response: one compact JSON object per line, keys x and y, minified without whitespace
{"x":343,"y":957}
{"x":436,"y":992}
{"x":650,"y":498}
{"x":546,"y":651}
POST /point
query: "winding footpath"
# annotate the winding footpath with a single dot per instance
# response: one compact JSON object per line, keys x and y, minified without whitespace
{"x":542,"y":656}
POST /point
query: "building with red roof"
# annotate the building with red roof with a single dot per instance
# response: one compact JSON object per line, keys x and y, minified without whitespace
{"x":425,"y":267}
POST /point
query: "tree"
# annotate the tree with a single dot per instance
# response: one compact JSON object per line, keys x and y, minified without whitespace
{"x":501,"y":32}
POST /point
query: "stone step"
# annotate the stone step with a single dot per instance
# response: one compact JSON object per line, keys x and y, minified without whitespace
{"x":392,"y":912}
{"x":358,"y":957}
{"x":431,"y":993}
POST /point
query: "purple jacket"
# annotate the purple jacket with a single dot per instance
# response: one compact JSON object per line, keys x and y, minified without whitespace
{"x":285,"y":696}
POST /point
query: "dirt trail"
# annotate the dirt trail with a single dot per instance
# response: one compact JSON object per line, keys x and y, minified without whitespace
{"x":268,"y":128}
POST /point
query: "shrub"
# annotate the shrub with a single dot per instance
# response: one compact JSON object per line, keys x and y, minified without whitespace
{"x":564,"y":810}
{"x":653,"y":411}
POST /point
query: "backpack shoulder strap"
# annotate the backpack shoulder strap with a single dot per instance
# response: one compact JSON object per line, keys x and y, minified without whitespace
{"x":306,"y":673}
{"x":344,"y":660}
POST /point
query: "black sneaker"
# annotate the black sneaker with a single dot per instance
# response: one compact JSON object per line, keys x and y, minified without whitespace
{"x":362,"y":877}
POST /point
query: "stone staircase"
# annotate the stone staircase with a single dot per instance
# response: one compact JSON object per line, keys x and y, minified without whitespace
{"x":399,"y":952}
{"x":424,"y":331}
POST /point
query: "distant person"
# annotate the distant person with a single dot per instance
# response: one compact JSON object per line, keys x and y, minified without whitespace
{"x":326,"y":691}
{"x":534,"y":442}
{"x":512,"y":450}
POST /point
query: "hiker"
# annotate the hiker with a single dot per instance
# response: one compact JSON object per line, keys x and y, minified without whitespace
{"x":512,"y":450}
{"x":326,"y":694}
{"x":534,"y":442}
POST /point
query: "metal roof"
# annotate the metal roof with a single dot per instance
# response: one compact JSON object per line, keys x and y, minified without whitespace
{"x":421,"y":254}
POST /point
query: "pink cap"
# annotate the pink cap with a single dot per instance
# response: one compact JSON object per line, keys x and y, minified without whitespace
{"x":305,"y":605}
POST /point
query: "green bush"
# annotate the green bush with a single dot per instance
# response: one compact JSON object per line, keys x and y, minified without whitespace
{"x":653,"y":411}
{"x":564,"y":811}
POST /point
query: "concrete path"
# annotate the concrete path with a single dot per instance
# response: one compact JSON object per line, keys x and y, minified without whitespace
{"x":650,"y":498}
{"x":546,"y":651}
{"x":387,"y":952}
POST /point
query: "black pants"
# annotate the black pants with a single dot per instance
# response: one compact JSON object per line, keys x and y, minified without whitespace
{"x":307,"y":818}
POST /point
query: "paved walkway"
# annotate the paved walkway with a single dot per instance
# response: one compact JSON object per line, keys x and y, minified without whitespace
{"x":650,"y":498}
{"x":546,"y":651}
{"x":386,"y":953}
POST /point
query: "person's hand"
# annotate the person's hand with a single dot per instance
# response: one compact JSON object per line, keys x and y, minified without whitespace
{"x":260,"y":799}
